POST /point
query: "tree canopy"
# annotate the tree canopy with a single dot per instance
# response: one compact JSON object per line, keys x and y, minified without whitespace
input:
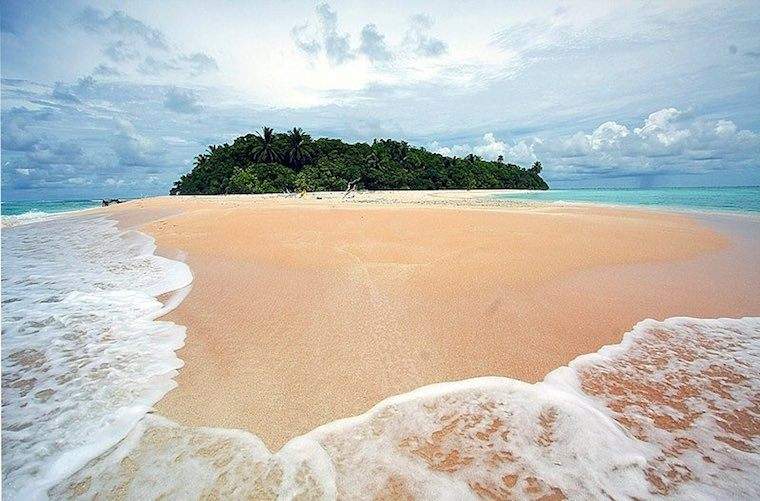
{"x":270,"y":162}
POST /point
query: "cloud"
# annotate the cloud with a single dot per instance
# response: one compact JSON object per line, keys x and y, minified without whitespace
{"x":71,"y":148}
{"x":72,"y":93}
{"x":182,"y":101}
{"x":119,"y":23}
{"x":154,"y":67}
{"x":326,"y":39}
{"x":135,"y":149}
{"x":63,"y":153}
{"x":103,"y":70}
{"x":62,"y":92}
{"x":336,"y":45}
{"x":668,"y":140}
{"x":304,"y":41}
{"x":373,"y":44}
{"x":194,"y":64}
{"x":133,"y":46}
{"x":119,"y":51}
{"x":490,"y":148}
{"x":199,"y":62}
{"x":420,"y":41}
{"x":16,"y":137}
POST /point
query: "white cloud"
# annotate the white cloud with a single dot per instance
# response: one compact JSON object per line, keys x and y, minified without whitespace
{"x":182,"y":101}
{"x":725,"y":128}
{"x":667,"y":140}
{"x":663,"y":126}
{"x":489,"y":147}
{"x":419,"y":39}
{"x":326,"y":39}
{"x":133,"y":148}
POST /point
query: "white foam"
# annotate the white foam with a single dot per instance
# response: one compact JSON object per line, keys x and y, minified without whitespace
{"x":35,"y":216}
{"x":596,"y":429}
{"x":83,"y":357}
{"x":25,"y":218}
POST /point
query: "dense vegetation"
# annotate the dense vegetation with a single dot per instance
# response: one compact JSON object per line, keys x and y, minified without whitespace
{"x":269,"y":163}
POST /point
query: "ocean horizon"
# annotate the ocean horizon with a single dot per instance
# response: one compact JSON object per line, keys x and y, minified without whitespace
{"x":736,"y":199}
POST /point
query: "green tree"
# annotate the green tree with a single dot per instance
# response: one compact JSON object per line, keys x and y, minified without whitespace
{"x":299,"y":148}
{"x":265,"y":150}
{"x":277,"y":162}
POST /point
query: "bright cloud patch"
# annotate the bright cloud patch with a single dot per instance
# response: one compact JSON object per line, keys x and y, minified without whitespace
{"x":668,"y":140}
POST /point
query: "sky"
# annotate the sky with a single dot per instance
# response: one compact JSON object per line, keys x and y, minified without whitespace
{"x":104,"y":99}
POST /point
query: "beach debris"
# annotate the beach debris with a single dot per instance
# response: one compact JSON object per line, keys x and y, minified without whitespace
{"x":351,"y":189}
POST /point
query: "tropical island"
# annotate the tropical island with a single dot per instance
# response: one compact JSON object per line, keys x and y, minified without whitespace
{"x":269,"y":162}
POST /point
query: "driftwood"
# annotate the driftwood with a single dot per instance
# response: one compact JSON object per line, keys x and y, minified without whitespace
{"x":108,"y":201}
{"x":351,"y":188}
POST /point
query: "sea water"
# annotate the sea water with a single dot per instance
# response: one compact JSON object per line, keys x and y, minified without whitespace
{"x":29,"y":211}
{"x":672,"y":411}
{"x":83,"y":358}
{"x":743,"y":199}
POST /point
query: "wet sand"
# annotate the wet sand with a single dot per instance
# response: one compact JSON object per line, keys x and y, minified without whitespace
{"x":304,"y":311}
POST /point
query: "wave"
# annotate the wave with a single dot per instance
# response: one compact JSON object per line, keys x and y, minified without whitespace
{"x":32,"y":216}
{"x":35,"y":216}
{"x":672,"y":411}
{"x":83,"y":357}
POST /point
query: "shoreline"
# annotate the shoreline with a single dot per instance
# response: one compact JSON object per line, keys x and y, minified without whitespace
{"x":213,"y":350}
{"x":487,"y":198}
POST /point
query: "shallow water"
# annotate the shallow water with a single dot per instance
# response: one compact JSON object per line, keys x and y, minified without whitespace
{"x":742,"y":199}
{"x":83,"y":358}
{"x":15,"y":213}
{"x":674,"y":410}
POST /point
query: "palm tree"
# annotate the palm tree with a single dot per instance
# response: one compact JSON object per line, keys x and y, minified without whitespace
{"x":299,"y":151}
{"x":200,"y":160}
{"x":264,"y":151}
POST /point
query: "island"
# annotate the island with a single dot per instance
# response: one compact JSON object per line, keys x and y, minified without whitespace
{"x":269,"y":162}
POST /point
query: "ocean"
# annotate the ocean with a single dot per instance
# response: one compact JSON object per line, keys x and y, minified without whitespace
{"x":734,"y":199}
{"x":26,"y":211}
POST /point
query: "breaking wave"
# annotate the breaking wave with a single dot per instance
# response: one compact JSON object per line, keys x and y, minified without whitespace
{"x":673,"y":411}
{"x":83,"y":358}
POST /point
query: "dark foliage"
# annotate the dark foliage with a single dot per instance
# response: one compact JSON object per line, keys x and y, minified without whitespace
{"x":270,"y":163}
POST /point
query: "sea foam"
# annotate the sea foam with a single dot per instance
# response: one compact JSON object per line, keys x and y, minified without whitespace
{"x":670,"y":412}
{"x":83,"y":357}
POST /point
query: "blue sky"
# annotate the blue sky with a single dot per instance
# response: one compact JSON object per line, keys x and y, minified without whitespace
{"x":116,"y":98}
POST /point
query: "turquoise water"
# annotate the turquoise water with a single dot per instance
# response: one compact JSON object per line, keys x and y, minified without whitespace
{"x":733,"y":199}
{"x":30,"y":211}
{"x":46,"y":206}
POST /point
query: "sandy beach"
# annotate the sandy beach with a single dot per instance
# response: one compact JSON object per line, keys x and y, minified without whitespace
{"x":303,"y":311}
